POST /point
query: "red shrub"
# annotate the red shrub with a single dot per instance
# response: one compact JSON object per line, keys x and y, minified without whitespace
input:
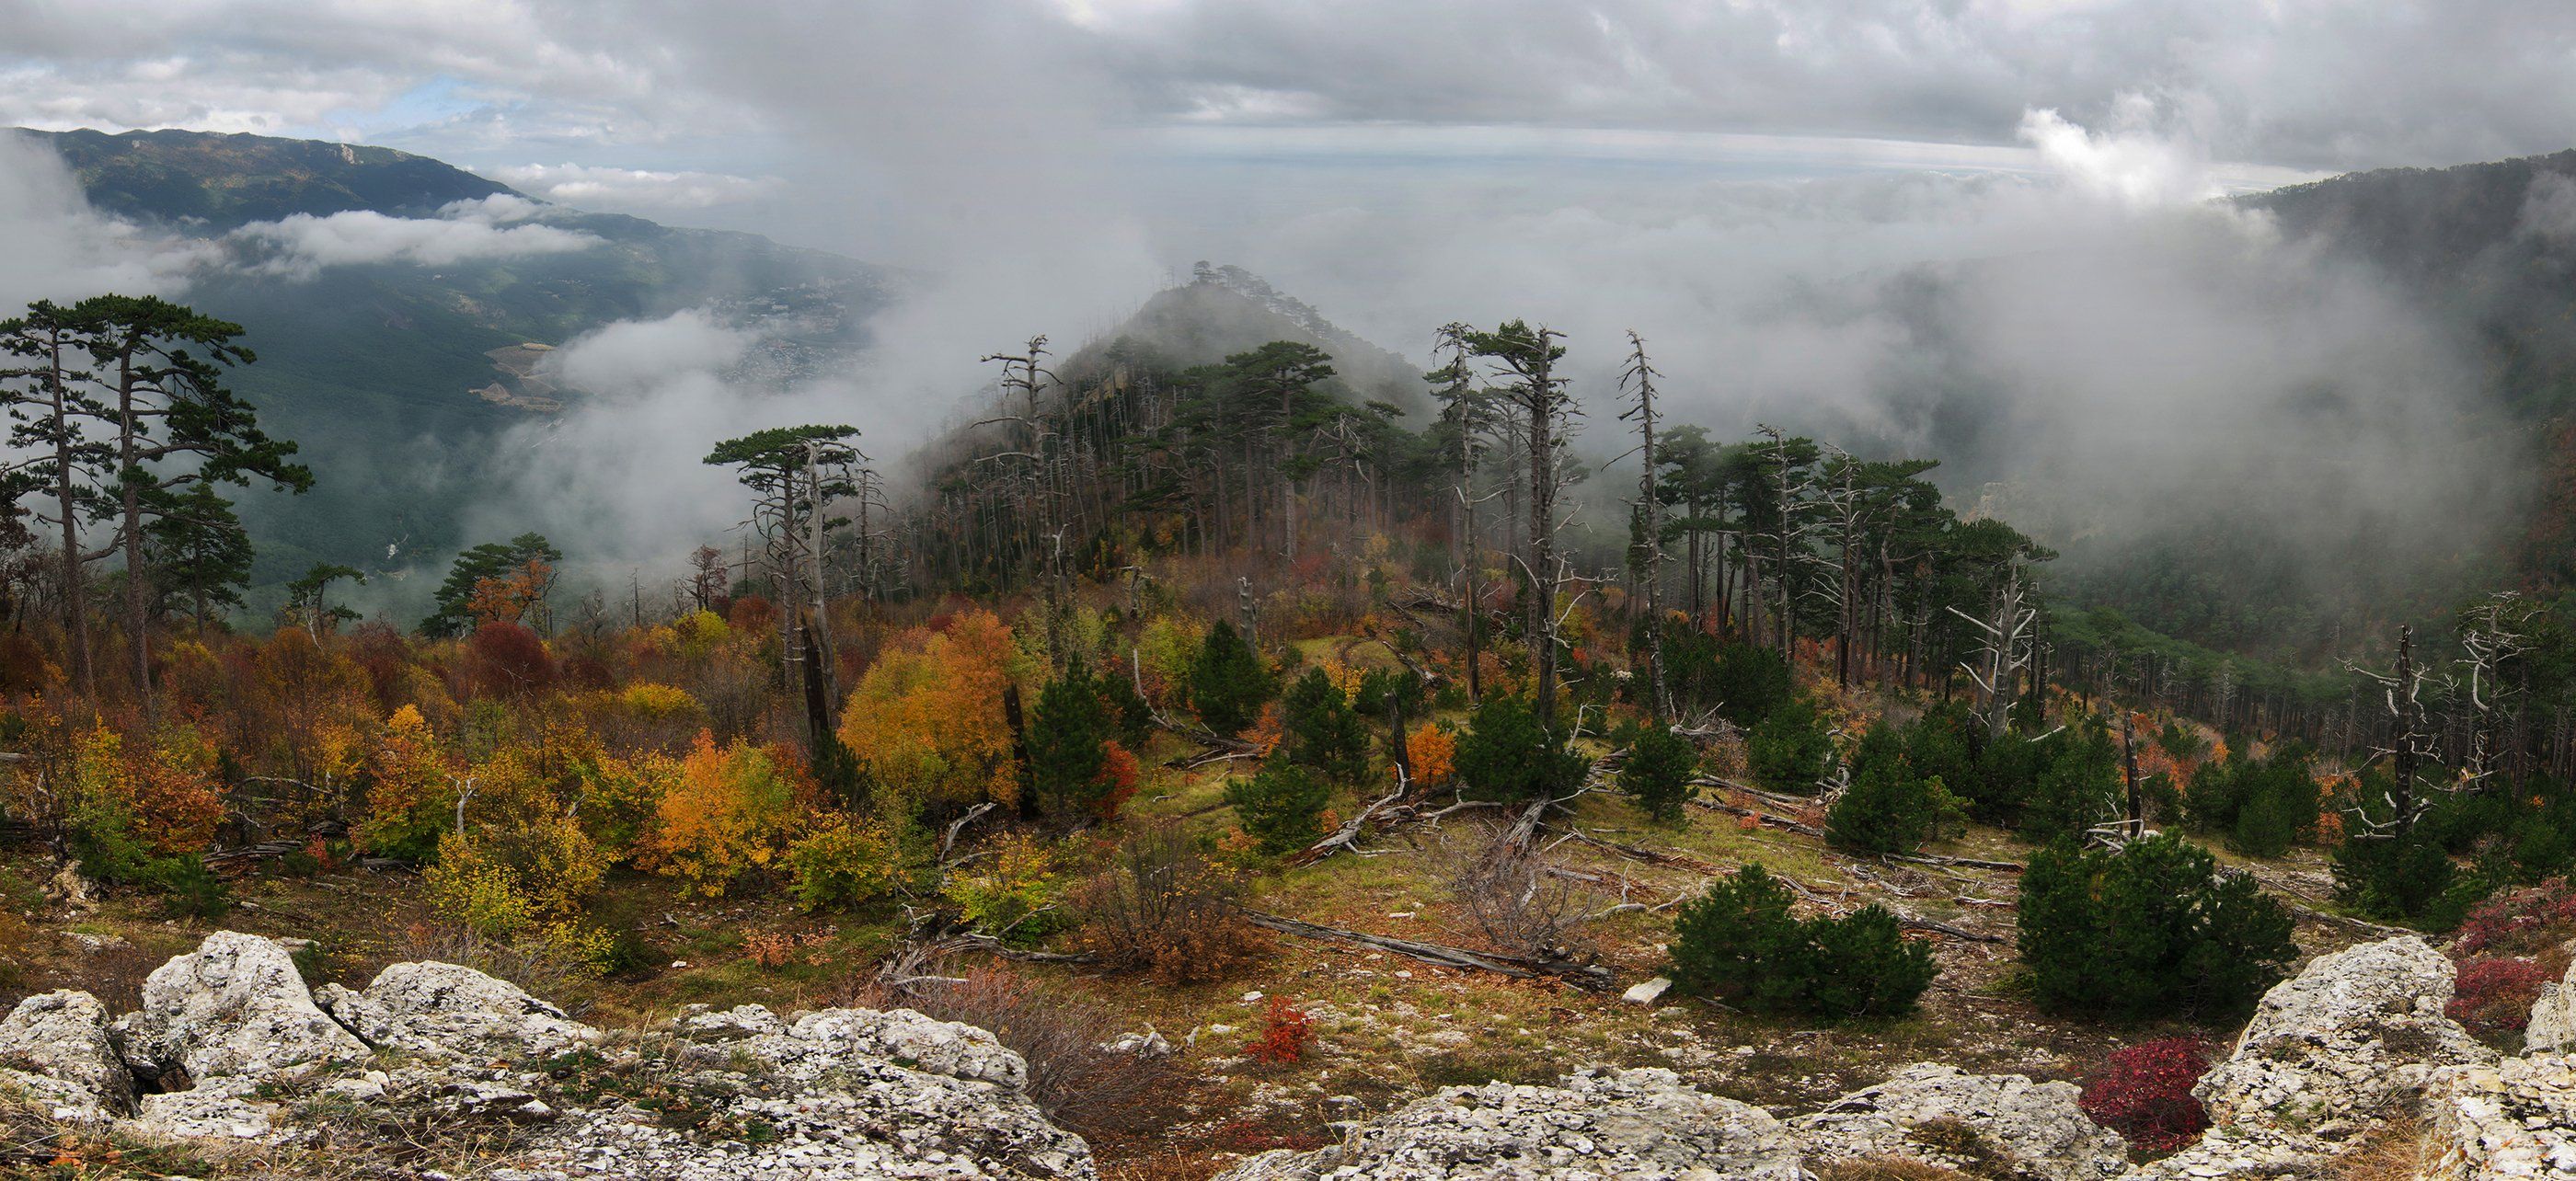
{"x":2519,"y":922}
{"x":2144,"y":1093}
{"x":1285,"y":1034}
{"x":2494,"y":996}
{"x":508,"y":660}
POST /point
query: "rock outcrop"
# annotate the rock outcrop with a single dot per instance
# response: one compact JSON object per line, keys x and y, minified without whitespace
{"x":1976,"y":1123}
{"x":234,"y":1008}
{"x":443,"y":1010}
{"x":2553,"y":1017}
{"x":2330,"y":1054}
{"x":55,"y":1047}
{"x":230,"y":1046}
{"x":1630,"y":1123}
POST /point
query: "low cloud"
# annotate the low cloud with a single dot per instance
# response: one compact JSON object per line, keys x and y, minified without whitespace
{"x":61,"y":249}
{"x":302,"y":245}
{"x":633,"y":188}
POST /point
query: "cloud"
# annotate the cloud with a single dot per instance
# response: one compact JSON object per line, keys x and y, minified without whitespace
{"x":61,"y":249}
{"x":299,"y":246}
{"x":633,"y":188}
{"x":619,"y":479}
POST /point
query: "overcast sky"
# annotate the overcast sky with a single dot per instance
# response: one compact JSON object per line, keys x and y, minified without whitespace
{"x":782,"y":116}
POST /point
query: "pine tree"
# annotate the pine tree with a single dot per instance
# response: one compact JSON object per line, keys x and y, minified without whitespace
{"x":1065,"y":737}
{"x":1658,"y":772}
{"x":1888,"y":808}
{"x":1789,"y":749}
{"x":1324,"y":732}
{"x":197,"y":553}
{"x":1507,"y":755}
{"x":1228,"y":684}
{"x":2150,"y":930}
{"x":1281,"y":806}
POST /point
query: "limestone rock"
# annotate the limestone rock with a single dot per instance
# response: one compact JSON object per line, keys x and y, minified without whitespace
{"x":825,"y":1041}
{"x":1944,"y":1116}
{"x":2513,"y":1120}
{"x":705,"y":1023}
{"x":2553,"y":1017}
{"x":56,"y":1047}
{"x":1629,"y":1124}
{"x":443,"y":1009}
{"x":2357,"y":1036}
{"x":233,"y":1007}
{"x":1647,"y":992}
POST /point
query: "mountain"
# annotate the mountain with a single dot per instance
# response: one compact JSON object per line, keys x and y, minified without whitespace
{"x":397,"y":377}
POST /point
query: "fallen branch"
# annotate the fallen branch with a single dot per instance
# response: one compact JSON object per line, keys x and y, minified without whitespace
{"x":1516,"y":967}
{"x":1347,"y":835}
{"x":950,"y":841}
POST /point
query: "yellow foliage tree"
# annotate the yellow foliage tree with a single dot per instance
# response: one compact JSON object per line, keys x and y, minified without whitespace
{"x":927,"y":719}
{"x":733,"y":811}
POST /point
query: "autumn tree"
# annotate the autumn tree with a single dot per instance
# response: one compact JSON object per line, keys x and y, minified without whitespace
{"x":491,"y":562}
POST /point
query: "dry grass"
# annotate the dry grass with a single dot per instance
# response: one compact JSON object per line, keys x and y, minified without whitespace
{"x":2394,"y":1152}
{"x":1887,"y":1168}
{"x":1073,"y":1079}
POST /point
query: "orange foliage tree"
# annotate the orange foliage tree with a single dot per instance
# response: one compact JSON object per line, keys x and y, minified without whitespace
{"x":928,"y":722}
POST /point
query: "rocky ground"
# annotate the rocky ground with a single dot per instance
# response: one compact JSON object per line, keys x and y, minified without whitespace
{"x":232,"y":1066}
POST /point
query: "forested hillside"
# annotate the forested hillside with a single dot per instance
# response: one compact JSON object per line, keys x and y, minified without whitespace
{"x":386,"y":369}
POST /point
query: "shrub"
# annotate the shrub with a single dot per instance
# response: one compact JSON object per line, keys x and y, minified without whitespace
{"x":2392,"y":876}
{"x":1658,"y":772}
{"x":1227,"y":682}
{"x":845,"y":863}
{"x":1282,"y":806}
{"x":1073,"y":1074}
{"x":1518,"y":906}
{"x":2519,"y":922}
{"x":1507,"y":755}
{"x":1740,"y":941}
{"x":505,"y":659}
{"x":2262,"y":806}
{"x":1434,"y":752}
{"x":1888,"y":808}
{"x":1285,"y":1036}
{"x":2144,"y":1093}
{"x":1788,"y":750}
{"x":1011,"y":895}
{"x":1163,"y":907}
{"x":2148,"y":930}
{"x":1323,"y":731}
{"x":2493,"y":997}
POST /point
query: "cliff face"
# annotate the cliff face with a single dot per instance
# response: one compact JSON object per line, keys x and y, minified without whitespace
{"x":435,"y":1069}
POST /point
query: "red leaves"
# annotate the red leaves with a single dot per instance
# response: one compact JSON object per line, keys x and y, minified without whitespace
{"x":2494,"y":996}
{"x":1285,"y":1034}
{"x":2144,"y":1093}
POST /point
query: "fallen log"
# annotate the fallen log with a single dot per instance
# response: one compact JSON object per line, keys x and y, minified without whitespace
{"x":1519,"y":968}
{"x":1782,"y":823}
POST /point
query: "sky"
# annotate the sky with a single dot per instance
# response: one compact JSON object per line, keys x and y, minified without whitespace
{"x":1755,"y":185}
{"x":750,"y":115}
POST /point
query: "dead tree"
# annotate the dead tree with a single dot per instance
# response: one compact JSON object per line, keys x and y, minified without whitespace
{"x":1639,"y":381}
{"x":2410,"y":746}
{"x":2003,"y":649}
